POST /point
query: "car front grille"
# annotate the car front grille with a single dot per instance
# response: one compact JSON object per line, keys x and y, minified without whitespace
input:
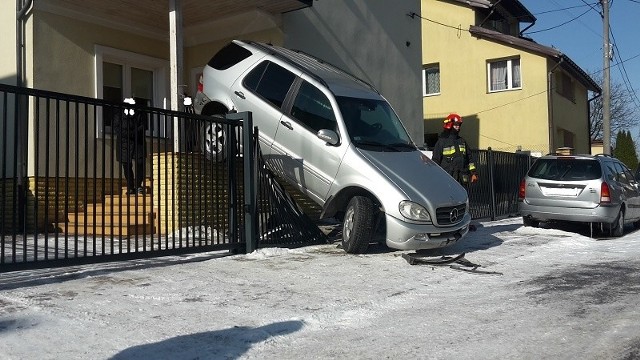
{"x":450,"y":214}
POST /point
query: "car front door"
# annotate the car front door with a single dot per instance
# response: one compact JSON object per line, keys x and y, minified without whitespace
{"x":307,"y":160}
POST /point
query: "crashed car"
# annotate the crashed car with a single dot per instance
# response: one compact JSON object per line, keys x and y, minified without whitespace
{"x":338,"y":140}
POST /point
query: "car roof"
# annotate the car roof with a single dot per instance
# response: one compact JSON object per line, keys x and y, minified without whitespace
{"x":340,"y":82}
{"x":576,"y":156}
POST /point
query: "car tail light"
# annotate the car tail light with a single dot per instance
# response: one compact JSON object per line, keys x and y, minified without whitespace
{"x":605,"y":194}
{"x":521,"y":192}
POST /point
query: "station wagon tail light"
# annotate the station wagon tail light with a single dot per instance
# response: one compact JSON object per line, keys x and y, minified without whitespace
{"x":521,"y":192}
{"x":605,"y":194}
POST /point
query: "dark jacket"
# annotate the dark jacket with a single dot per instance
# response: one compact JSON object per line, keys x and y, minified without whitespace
{"x":451,"y":152}
{"x":130,"y":136}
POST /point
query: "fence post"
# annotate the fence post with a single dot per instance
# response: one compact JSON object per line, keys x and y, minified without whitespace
{"x":250,"y":182}
{"x":492,"y":188}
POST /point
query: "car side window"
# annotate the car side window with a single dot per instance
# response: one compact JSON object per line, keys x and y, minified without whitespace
{"x":270,"y":81}
{"x":624,"y":175}
{"x":312,"y":109}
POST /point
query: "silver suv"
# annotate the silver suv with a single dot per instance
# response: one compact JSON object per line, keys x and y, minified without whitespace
{"x":595,"y":189}
{"x":339,"y":141}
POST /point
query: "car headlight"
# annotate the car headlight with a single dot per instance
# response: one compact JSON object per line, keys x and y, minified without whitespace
{"x":414,"y":211}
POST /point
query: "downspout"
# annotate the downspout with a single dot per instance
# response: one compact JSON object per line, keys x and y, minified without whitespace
{"x":22,"y":10}
{"x":550,"y":104}
{"x":589,"y":119}
{"x":21,"y":115}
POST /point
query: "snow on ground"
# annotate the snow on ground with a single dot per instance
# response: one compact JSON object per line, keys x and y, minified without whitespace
{"x":536,"y":293}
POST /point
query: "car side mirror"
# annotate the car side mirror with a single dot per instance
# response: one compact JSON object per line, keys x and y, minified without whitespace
{"x":328,"y":136}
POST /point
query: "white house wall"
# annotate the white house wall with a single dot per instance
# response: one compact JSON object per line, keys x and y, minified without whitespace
{"x":373,"y":39}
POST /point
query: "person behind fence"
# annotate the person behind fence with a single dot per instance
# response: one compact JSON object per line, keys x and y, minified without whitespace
{"x":451,"y":152}
{"x":129,"y":128}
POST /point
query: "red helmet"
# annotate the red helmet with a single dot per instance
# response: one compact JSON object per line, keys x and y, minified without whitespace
{"x":452,"y":118}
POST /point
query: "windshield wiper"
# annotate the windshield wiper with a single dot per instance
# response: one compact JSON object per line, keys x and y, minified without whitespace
{"x":376,"y":144}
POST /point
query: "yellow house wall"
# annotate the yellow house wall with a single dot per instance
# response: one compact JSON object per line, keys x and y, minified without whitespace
{"x":572,"y":116}
{"x":507,"y":120}
{"x":8,"y":46}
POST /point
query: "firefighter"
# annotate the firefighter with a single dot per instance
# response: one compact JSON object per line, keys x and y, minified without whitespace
{"x":451,"y":152}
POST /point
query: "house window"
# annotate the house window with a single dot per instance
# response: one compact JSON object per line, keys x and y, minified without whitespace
{"x":504,"y":75}
{"x":431,"y":79}
{"x":564,"y":86}
{"x":120,"y":74}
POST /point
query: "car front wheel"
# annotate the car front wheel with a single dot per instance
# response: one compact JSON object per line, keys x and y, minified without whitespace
{"x":357,"y":228}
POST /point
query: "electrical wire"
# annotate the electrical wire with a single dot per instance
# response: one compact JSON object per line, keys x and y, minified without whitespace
{"x":559,"y":25}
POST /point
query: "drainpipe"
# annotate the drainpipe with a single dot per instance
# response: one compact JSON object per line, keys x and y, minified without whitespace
{"x":550,"y":105}
{"x":22,"y":8}
{"x":21,"y":127}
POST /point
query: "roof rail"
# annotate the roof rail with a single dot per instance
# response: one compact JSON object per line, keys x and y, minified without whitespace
{"x":270,"y":49}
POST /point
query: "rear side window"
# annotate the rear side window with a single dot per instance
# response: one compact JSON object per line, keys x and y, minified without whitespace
{"x":270,"y":81}
{"x":228,"y":56}
{"x":569,"y":169}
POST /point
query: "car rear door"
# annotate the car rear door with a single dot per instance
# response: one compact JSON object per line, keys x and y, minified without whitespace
{"x":263,"y":90}
{"x":630,"y":192}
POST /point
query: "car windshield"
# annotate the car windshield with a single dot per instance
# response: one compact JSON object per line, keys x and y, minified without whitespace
{"x":373,"y":125}
{"x":570,"y":169}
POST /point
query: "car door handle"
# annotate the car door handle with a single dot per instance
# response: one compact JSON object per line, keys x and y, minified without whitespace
{"x":286,"y":124}
{"x":239,"y":94}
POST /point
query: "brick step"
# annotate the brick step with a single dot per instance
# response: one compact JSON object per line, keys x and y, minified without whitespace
{"x":118,"y":208}
{"x":130,"y":200}
{"x":116,"y":218}
{"x":125,"y":230}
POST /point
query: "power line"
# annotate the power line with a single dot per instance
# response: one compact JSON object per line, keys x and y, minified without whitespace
{"x":624,"y":74}
{"x":557,"y":26}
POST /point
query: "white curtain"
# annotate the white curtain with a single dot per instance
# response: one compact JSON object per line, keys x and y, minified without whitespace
{"x":515,"y":71}
{"x":498,"y":75}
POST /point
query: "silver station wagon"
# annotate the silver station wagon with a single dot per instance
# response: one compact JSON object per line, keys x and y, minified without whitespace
{"x":595,"y":189}
{"x":340,"y":142}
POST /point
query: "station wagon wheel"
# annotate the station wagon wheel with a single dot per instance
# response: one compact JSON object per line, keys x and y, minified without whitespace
{"x":617,"y":227}
{"x":357,"y":227}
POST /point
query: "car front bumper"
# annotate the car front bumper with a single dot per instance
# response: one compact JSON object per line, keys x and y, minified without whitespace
{"x":407,"y":236}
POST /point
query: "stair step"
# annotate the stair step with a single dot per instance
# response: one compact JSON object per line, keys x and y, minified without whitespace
{"x":112,"y":218}
{"x":128,"y":200}
{"x":119,"y":208}
{"x":125,"y":230}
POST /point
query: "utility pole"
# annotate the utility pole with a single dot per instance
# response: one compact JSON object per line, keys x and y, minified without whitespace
{"x":606,"y":94}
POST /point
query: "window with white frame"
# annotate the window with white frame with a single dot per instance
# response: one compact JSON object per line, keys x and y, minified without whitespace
{"x":121,"y":74}
{"x":504,"y":74}
{"x":431,"y":79}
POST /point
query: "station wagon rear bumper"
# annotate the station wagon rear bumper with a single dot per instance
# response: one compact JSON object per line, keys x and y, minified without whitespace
{"x":599,"y":214}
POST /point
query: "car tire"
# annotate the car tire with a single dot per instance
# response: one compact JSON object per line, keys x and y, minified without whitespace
{"x":617,"y":227}
{"x":212,"y":141}
{"x":527,"y":221}
{"x":357,"y":227}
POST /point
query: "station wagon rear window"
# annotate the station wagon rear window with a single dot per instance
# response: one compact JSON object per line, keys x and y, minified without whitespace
{"x":569,"y":169}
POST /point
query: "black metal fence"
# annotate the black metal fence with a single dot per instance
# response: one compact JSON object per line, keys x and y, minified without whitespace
{"x":495,"y":194}
{"x":63,"y":197}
